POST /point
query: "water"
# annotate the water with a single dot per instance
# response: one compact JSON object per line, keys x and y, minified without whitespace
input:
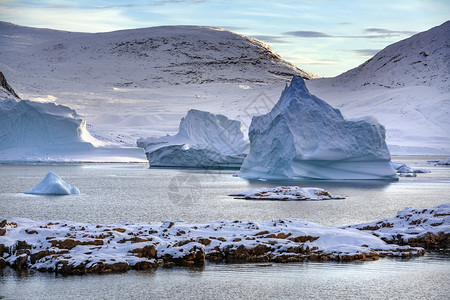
{"x":116,"y":193}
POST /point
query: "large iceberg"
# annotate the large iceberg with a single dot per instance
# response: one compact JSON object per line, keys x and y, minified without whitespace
{"x":52,"y":184}
{"x":303,"y":137}
{"x":203,"y":140}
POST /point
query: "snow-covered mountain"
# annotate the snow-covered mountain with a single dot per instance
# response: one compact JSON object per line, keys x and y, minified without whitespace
{"x":126,"y":82}
{"x":406,"y":86}
{"x":140,"y":57}
{"x":421,"y":60}
{"x":140,"y":83}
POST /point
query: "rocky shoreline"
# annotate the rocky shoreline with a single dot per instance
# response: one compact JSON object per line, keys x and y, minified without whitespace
{"x":71,"y":248}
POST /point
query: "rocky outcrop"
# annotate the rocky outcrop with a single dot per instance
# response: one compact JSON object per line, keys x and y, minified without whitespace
{"x":6,"y":88}
{"x":70,"y":248}
{"x":428,"y":228}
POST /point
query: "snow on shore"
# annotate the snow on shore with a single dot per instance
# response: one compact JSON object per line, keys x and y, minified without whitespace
{"x":79,"y":248}
{"x":286,"y":193}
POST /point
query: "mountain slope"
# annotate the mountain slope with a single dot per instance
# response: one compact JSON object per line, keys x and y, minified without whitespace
{"x":142,"y":57}
{"x":406,"y":86}
{"x":421,"y":60}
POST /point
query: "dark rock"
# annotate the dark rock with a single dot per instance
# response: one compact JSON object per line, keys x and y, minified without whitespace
{"x":4,"y":84}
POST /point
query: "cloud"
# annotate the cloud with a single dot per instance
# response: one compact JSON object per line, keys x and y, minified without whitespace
{"x":307,"y":34}
{"x":269,"y":38}
{"x":374,"y":33}
{"x":325,"y":62}
{"x":234,"y":28}
{"x":383,"y":31}
{"x":366,"y":52}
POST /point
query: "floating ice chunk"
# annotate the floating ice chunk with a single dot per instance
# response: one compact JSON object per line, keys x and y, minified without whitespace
{"x":304,"y":137}
{"x":406,"y":171}
{"x":52,"y":184}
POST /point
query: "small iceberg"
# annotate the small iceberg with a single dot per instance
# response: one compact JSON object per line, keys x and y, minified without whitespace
{"x":52,"y":184}
{"x":286,"y":193}
{"x":406,"y":171}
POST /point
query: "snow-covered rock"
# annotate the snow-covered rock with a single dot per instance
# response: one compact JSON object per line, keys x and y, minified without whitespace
{"x":203,"y":140}
{"x":304,"y":137}
{"x":286,"y":193}
{"x":52,"y":184}
{"x":429,"y":227}
{"x":445,"y":161}
{"x":80,"y":248}
{"x":406,"y":86}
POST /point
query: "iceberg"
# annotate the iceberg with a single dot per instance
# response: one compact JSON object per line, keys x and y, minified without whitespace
{"x":203,"y":140}
{"x":303,"y":137}
{"x":39,"y":126}
{"x":52,"y":184}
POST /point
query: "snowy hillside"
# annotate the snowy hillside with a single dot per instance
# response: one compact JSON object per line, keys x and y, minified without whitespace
{"x":406,"y":86}
{"x":421,"y":60}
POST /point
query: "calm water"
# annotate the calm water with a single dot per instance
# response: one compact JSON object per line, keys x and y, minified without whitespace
{"x":116,"y":193}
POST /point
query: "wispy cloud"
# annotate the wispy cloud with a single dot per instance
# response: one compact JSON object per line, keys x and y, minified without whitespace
{"x":270,"y":39}
{"x":384,"y":31}
{"x":234,"y":28}
{"x":308,"y":34}
{"x":325,"y":62}
{"x":365,"y":52}
{"x":374,"y":34}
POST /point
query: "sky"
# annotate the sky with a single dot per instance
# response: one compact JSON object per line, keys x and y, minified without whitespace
{"x":325,"y":37}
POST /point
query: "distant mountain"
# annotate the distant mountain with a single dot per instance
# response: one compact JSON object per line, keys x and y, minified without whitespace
{"x":421,"y":60}
{"x":168,"y":55}
{"x":406,"y":86}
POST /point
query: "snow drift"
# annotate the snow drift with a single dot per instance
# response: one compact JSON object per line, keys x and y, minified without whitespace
{"x":203,"y":140}
{"x":52,"y":184}
{"x":304,"y":137}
